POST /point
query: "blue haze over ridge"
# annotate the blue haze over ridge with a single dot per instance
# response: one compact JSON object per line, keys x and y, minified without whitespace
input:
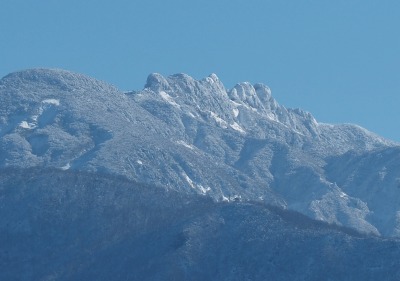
{"x":70,"y":225}
{"x":337,"y":59}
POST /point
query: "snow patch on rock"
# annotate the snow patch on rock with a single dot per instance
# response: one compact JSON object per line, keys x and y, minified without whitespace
{"x":181,"y":142}
{"x":66,"y":167}
{"x":26,"y":125}
{"x":221,"y":122}
{"x":52,"y":101}
{"x":169,"y":99}
{"x":237,"y":127}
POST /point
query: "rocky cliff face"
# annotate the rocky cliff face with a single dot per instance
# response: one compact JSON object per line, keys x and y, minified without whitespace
{"x":195,"y":136}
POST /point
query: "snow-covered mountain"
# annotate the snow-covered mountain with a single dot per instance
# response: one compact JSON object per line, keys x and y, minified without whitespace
{"x":195,"y":136}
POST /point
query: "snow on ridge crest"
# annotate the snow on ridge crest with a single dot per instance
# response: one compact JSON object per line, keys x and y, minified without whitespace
{"x":157,"y":82}
{"x":182,"y":81}
{"x":265,"y":95}
{"x":54,"y":78}
{"x":257,"y":96}
{"x":213,"y":77}
{"x":243,"y":105}
{"x":245,"y":92}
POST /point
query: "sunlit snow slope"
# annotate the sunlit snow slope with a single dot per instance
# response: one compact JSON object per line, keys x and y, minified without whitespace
{"x":196,"y":136}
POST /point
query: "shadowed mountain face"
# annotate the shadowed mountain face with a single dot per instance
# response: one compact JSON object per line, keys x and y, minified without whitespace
{"x":197,"y":137}
{"x":71,"y":225}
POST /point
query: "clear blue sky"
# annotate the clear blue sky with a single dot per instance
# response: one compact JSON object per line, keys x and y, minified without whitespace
{"x":339,"y":59}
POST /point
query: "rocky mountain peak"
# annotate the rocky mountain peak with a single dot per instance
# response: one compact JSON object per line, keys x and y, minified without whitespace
{"x":257,"y":96}
{"x":264,"y":93}
{"x":156,"y":82}
{"x":196,"y":137}
{"x":214,"y":77}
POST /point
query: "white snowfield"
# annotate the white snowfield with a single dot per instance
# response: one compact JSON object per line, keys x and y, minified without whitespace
{"x":52,"y":101}
{"x":196,"y":136}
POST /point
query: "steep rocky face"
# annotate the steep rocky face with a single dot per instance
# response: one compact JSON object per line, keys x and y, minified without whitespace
{"x":55,"y":118}
{"x":286,"y":149}
{"x":196,"y":136}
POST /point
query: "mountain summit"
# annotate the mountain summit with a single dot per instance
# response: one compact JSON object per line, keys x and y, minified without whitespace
{"x":197,"y":137}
